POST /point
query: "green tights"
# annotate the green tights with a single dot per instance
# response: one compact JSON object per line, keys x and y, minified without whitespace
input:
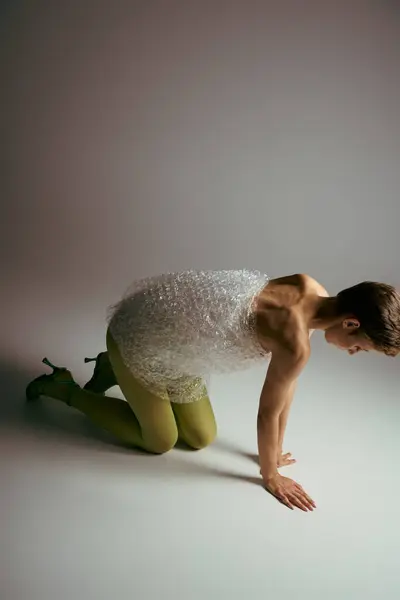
{"x":144,"y":421}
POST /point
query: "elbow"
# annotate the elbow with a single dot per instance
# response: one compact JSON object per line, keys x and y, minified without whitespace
{"x":267,"y":415}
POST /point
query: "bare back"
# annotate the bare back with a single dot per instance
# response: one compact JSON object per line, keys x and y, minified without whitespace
{"x":283,"y":312}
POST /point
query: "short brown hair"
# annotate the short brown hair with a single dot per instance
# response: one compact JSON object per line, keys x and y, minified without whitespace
{"x":377,"y":307}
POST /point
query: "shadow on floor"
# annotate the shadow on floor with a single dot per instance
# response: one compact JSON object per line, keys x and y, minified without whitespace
{"x":47,"y":419}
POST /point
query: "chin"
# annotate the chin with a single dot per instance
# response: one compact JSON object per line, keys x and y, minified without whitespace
{"x":333,"y":343}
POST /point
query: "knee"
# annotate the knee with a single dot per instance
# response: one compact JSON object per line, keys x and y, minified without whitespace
{"x":201,"y":438}
{"x":161,"y":443}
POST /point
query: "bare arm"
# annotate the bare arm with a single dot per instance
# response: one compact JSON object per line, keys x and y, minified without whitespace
{"x":275,"y":401}
{"x":283,"y":418}
{"x":283,"y":330}
{"x":277,"y":390}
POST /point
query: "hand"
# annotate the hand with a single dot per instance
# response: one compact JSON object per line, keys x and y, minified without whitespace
{"x":285,"y":459}
{"x":289,"y":493}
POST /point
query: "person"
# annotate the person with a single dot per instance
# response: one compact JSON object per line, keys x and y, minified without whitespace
{"x":169,"y":333}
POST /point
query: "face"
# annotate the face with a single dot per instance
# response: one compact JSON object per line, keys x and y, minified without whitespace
{"x":347,"y":336}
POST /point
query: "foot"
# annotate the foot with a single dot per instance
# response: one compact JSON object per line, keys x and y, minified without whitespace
{"x":59,"y":385}
{"x":103,"y":377}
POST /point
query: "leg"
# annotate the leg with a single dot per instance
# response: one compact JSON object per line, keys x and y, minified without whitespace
{"x":158,"y":430}
{"x":155,"y":430}
{"x":111,"y":414}
{"x":196,"y":423}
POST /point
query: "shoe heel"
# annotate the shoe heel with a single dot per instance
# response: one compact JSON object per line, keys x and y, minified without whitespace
{"x":33,"y":390}
{"x":46,"y":362}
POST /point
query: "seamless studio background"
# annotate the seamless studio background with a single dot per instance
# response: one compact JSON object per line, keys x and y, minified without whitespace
{"x":140,"y":137}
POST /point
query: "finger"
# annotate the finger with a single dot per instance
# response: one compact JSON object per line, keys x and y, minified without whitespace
{"x":303,"y":501}
{"x":285,"y":500}
{"x":298,"y":502}
{"x":290,"y":462}
{"x":310,"y":500}
{"x":287,"y":455}
{"x":301,"y":489}
{"x":304,"y":495}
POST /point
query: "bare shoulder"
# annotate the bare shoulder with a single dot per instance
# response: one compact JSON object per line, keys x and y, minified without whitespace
{"x":281,"y":330}
{"x":313,"y":286}
{"x":289,"y":291}
{"x":281,"y":325}
{"x":300,"y":281}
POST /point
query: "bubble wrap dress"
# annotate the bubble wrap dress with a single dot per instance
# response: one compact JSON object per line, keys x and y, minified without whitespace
{"x":174,"y":330}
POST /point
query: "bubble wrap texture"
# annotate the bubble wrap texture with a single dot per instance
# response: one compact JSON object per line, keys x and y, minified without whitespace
{"x":173,"y":331}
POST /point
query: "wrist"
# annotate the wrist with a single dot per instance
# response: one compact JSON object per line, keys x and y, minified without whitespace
{"x":269,"y":475}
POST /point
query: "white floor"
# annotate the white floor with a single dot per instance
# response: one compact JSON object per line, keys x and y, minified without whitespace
{"x":143,"y":137}
{"x":82,"y":518}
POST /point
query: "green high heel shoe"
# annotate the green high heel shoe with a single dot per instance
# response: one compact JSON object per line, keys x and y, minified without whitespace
{"x":103,"y":377}
{"x":37,"y":387}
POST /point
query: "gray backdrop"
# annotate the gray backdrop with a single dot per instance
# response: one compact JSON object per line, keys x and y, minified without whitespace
{"x":145,"y":136}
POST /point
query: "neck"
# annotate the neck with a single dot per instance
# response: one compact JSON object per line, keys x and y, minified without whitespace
{"x":322,"y":312}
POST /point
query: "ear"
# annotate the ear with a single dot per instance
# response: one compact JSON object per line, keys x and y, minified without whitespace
{"x":351,"y":324}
